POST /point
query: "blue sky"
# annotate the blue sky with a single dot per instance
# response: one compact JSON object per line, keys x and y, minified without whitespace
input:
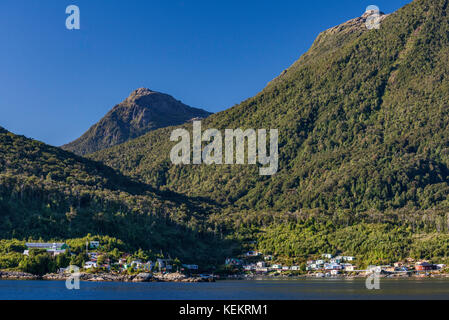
{"x":55,"y":83}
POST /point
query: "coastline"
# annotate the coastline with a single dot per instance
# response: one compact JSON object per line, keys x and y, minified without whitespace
{"x":105,"y":277}
{"x":178,"y":277}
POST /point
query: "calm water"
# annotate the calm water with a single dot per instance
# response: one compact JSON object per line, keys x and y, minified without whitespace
{"x":228,"y":290}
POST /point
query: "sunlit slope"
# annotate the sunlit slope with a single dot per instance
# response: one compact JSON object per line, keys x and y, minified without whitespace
{"x":362,"y":117}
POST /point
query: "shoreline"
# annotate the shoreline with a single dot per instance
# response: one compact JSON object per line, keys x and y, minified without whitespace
{"x":178,"y":277}
{"x":105,"y":277}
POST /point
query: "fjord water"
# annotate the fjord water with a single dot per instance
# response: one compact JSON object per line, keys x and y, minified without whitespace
{"x":328,"y":289}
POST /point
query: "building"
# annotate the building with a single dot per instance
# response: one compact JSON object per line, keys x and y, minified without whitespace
{"x":374,"y":269}
{"x":90,"y":264}
{"x":53,"y":248}
{"x":424,"y":266}
{"x":261,"y":270}
{"x":261,"y":264}
{"x":333,"y":266}
{"x":295,"y":268}
{"x":327,"y":256}
{"x":165,"y":264}
{"x":349,"y":267}
{"x":348,"y":258}
{"x":336,"y":260}
{"x":335,"y":272}
{"x":137,"y":264}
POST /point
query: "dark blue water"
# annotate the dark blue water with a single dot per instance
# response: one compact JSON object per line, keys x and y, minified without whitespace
{"x":227,"y":290}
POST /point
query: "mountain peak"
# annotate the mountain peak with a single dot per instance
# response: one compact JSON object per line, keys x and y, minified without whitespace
{"x":139,"y":93}
{"x":143,"y":111}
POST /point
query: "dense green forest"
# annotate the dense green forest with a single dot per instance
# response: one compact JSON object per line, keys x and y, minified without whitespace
{"x":362,"y":119}
{"x":49,"y":193}
{"x":363,"y":122}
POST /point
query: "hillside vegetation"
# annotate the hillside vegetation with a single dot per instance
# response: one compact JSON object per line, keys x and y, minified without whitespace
{"x":363,"y":123}
{"x":49,"y":193}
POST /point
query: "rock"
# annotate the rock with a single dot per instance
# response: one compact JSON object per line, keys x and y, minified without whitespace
{"x":15,"y":275}
{"x":143,"y":277}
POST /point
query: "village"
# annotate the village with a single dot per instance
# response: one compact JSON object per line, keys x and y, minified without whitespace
{"x":255,"y":263}
{"x":98,"y":260}
{"x":252,"y":263}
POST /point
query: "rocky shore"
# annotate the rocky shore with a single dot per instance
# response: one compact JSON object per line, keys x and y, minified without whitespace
{"x":13,"y":275}
{"x":339,"y":276}
{"x":141,"y":277}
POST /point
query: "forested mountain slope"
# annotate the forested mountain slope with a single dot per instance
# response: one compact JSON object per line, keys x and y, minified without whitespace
{"x":363,"y":122}
{"x":49,"y":193}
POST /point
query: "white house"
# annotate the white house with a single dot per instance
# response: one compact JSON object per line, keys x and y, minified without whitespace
{"x":252,"y":254}
{"x":296,"y":268}
{"x":276,"y":267}
{"x":336,"y":260}
{"x":90,"y":264}
{"x":348,"y":258}
{"x":327,"y":256}
{"x":349,"y":267}
{"x":285,"y":268}
{"x":261,"y":264}
{"x":375,"y":269}
{"x":53,"y":248}
{"x":136,"y":264}
{"x":333,"y":266}
{"x":335,"y":272}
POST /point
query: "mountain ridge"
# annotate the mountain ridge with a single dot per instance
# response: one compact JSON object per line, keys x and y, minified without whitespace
{"x":340,"y":145}
{"x":50,"y":193}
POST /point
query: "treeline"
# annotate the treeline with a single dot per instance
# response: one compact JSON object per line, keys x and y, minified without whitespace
{"x":362,"y":119}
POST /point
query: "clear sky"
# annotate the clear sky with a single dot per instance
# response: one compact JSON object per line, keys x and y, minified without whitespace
{"x":55,"y":83}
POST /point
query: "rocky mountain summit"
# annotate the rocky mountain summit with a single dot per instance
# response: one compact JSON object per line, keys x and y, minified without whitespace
{"x":143,"y":111}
